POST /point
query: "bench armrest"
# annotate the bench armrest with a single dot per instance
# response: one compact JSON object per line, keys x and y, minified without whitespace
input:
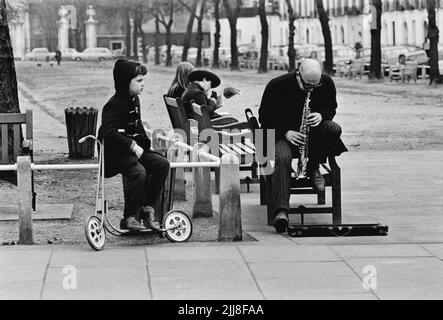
{"x":223,"y":120}
{"x":236,"y":125}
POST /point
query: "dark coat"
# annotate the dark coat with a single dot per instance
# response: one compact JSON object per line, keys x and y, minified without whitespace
{"x":282,"y":105}
{"x":119,"y":127}
{"x":175,"y":91}
{"x":196,"y":93}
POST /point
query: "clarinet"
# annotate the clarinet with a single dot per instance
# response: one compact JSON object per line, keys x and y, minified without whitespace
{"x":304,"y":129}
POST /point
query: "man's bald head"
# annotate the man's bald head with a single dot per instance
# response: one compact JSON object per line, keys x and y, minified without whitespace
{"x":310,"y":71}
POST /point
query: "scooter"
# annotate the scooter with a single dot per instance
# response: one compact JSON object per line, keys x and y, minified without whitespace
{"x":176,"y":225}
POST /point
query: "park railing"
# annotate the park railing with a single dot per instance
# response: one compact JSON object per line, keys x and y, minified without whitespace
{"x":230,"y":228}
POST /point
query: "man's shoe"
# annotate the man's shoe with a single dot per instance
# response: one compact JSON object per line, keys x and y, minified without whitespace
{"x":131,"y":224}
{"x":318,"y":181}
{"x":281,"y":222}
{"x":148,"y":217}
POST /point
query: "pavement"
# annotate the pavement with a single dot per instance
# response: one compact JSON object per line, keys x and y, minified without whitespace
{"x":400,"y":189}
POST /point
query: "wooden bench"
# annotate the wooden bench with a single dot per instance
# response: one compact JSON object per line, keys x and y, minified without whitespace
{"x":11,"y":131}
{"x":240,"y":143}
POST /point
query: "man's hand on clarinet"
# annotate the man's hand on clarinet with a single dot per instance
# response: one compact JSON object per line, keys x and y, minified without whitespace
{"x":314,"y":119}
{"x":294,"y":137}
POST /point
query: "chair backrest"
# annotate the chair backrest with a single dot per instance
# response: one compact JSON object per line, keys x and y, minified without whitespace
{"x":356,"y":65}
{"x":177,"y":114}
{"x":11,"y":123}
{"x":410,"y":69}
{"x":201,"y":114}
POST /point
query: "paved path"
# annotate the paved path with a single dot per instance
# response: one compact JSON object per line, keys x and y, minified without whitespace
{"x":400,"y":189}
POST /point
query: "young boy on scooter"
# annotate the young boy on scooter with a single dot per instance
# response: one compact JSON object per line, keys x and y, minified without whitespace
{"x":127,"y":148}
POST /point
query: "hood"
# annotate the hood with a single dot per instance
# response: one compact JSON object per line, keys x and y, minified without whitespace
{"x":123,"y":70}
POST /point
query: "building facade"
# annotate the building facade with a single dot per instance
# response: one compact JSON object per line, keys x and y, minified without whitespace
{"x":404,"y":22}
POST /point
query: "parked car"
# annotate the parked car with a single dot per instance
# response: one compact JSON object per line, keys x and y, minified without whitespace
{"x":67,"y":53}
{"x":40,"y":54}
{"x":93,"y":54}
{"x":419,"y":56}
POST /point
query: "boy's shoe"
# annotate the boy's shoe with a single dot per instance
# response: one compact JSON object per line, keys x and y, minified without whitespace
{"x":147,"y":214}
{"x":281,"y":221}
{"x":131,"y":224}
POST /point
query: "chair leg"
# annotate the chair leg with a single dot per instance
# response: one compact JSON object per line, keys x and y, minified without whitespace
{"x":269,"y":201}
{"x":321,"y":197}
{"x":262,"y":191}
{"x":336,"y":191}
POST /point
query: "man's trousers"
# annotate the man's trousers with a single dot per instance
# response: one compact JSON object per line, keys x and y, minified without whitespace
{"x":322,"y":140}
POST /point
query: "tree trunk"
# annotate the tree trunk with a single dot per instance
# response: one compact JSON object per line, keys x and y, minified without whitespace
{"x":168,"y":62}
{"x":128,"y":33}
{"x":375,"y":71}
{"x":291,"y":49}
{"x":157,"y":40}
{"x":215,"y":58}
{"x":8,"y":83}
{"x":263,"y":66}
{"x":324,"y":21}
{"x":135,"y":36}
{"x":433,"y":35}
{"x":198,"y":61}
{"x":142,"y":35}
{"x":188,"y":36}
{"x":232,"y":17}
{"x":8,"y":78}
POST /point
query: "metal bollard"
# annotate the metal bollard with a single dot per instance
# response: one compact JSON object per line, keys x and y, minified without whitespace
{"x":24,"y":185}
{"x":230,"y":228}
{"x":202,"y":191}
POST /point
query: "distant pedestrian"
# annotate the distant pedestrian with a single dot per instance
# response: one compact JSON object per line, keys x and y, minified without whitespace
{"x":58,"y":56}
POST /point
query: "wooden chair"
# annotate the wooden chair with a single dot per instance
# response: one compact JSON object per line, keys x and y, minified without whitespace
{"x":410,"y":71}
{"x":11,"y":123}
{"x":304,"y":186}
{"x":395,"y":72}
{"x":356,"y":68}
{"x":238,"y":143}
{"x":179,"y":119}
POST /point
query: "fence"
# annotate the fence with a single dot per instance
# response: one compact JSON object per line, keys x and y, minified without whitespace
{"x":230,"y":228}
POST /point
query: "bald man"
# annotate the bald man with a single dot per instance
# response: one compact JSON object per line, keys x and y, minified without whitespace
{"x":281,"y":109}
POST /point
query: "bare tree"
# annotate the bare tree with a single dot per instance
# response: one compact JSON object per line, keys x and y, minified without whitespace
{"x":263,"y":65}
{"x":324,"y":21}
{"x":291,"y":49}
{"x":375,"y":71}
{"x":199,"y":18}
{"x":232,"y":15}
{"x":433,"y":36}
{"x":167,"y":8}
{"x":187,"y":38}
{"x":215,"y":58}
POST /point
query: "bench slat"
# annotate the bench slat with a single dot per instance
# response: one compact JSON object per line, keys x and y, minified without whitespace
{"x":4,"y":149}
{"x":16,"y":139}
{"x":13,"y":118}
{"x":246,"y":148}
{"x":171,"y":102}
{"x":236,"y":149}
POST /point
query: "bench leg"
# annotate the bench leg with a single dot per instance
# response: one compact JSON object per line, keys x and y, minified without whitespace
{"x":262,"y":191}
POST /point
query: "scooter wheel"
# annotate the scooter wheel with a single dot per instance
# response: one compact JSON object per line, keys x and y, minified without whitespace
{"x":95,"y":233}
{"x":183,"y":226}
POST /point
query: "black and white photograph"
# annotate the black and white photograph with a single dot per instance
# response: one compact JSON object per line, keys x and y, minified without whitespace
{"x":221,"y":154}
